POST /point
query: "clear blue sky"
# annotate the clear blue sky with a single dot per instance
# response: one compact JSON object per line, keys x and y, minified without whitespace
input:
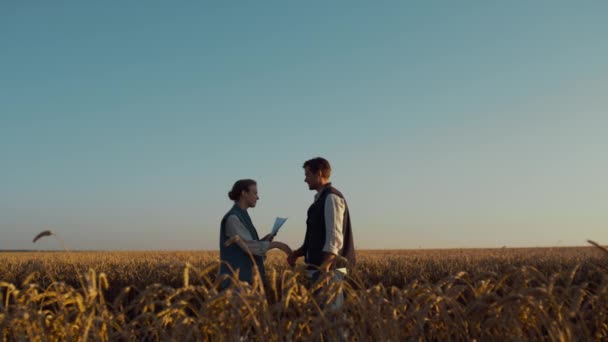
{"x":448,"y":124}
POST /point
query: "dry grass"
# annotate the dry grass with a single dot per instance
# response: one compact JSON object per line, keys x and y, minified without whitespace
{"x":558,"y":294}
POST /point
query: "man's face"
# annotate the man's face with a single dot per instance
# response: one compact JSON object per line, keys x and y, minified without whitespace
{"x":312,"y":179}
{"x":251,"y":196}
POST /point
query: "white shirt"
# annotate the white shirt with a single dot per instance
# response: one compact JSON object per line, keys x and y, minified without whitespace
{"x":335,"y":206}
{"x":234,"y":226}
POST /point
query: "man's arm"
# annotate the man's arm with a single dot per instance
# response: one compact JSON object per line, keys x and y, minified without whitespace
{"x":328,"y":260}
{"x":334,"y":217}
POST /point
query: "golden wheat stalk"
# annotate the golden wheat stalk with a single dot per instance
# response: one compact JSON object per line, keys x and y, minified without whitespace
{"x":42,"y":234}
{"x":602,"y":248}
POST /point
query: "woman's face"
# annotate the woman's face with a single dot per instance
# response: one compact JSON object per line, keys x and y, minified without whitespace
{"x":251,"y":196}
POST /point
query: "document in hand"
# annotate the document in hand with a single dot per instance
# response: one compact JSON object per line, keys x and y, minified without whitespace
{"x":277,"y":224}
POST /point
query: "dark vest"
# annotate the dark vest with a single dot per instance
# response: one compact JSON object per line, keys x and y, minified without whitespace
{"x":236,"y":257}
{"x":315,"y":232}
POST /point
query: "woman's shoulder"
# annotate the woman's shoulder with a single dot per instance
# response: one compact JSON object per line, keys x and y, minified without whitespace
{"x":233,"y":219}
{"x":232,"y":216}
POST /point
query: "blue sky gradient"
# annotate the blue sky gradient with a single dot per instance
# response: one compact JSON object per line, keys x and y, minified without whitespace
{"x":475,"y":124}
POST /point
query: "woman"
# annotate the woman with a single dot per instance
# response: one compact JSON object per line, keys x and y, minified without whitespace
{"x":240,"y":245}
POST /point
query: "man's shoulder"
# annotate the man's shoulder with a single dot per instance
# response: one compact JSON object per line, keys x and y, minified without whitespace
{"x":336,"y":192}
{"x":335,"y":200}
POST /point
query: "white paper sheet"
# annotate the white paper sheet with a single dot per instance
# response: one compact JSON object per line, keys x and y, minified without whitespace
{"x":277,"y":224}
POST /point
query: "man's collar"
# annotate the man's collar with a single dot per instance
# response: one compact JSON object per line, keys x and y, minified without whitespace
{"x":325,"y":187}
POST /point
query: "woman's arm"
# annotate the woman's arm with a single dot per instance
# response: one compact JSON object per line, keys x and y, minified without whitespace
{"x":234,"y":227}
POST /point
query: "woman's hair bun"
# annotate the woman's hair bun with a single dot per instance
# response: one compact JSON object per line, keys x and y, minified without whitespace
{"x":240,"y":186}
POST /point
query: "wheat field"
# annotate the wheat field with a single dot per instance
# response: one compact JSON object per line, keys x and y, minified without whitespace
{"x":541,"y":294}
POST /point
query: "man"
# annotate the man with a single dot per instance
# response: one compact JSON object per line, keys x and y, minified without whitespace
{"x":328,"y":244}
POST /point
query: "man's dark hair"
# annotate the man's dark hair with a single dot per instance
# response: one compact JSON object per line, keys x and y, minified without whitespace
{"x":240,"y":186}
{"x":318,"y":164}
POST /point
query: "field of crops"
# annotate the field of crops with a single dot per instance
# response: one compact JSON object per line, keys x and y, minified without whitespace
{"x":554,"y":294}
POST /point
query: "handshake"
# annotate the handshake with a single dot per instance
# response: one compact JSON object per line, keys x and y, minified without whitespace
{"x":292,"y":255}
